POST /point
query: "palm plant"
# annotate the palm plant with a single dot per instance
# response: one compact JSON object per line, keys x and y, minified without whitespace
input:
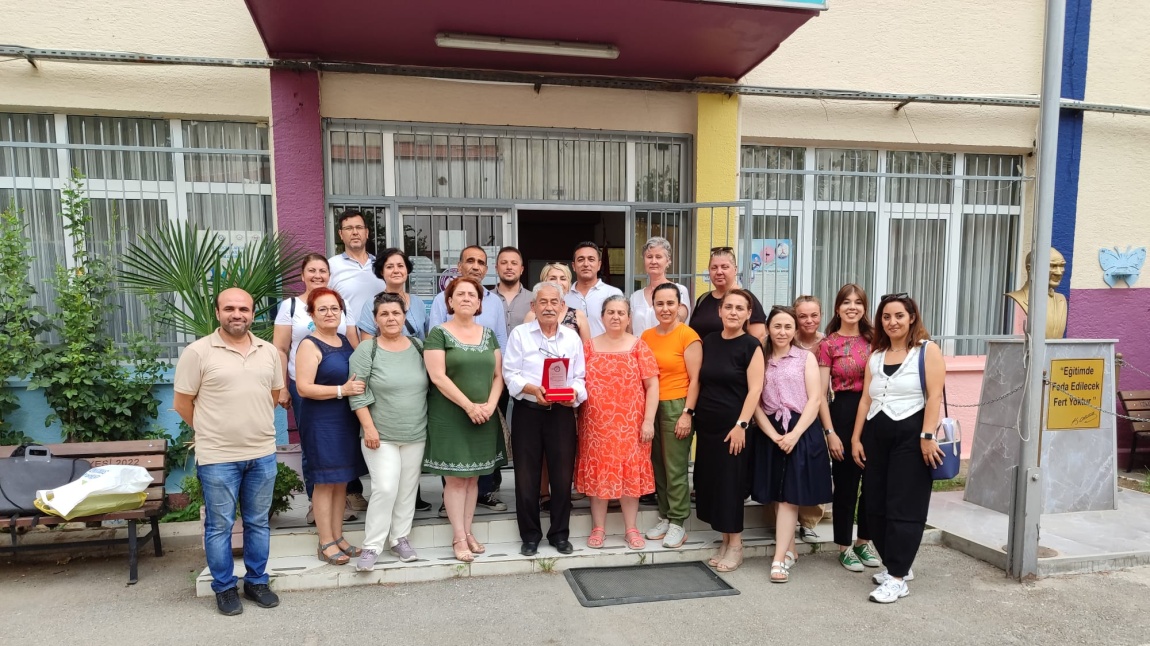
{"x":186,"y":268}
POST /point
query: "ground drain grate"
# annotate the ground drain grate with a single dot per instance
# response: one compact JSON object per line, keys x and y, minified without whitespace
{"x":610,"y":586}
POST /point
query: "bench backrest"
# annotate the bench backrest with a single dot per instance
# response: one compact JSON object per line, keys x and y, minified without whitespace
{"x":1137,"y":404}
{"x":149,"y":454}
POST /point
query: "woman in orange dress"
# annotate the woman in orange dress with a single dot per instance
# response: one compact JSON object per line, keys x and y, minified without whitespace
{"x":617,"y":423}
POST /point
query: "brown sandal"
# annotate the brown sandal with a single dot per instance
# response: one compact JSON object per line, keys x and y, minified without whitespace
{"x":462,"y":555}
{"x":727,"y":565}
{"x":339,"y":558}
{"x":475,"y":546}
{"x":718,"y":557}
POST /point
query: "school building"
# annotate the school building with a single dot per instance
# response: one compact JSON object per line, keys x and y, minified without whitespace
{"x":885,"y":143}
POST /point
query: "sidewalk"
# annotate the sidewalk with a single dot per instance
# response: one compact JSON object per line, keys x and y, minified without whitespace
{"x":955,"y":600}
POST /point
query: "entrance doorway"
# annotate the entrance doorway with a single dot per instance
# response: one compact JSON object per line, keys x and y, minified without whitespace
{"x":547,"y":236}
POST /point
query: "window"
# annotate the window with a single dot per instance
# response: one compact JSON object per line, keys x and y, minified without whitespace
{"x":940,"y":226}
{"x":134,"y":182}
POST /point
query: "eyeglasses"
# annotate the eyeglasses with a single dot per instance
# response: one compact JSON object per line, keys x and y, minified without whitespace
{"x":334,"y":309}
{"x":901,"y":296}
{"x":357,"y":228}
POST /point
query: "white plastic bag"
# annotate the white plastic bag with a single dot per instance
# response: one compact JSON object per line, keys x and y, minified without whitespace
{"x":99,"y":481}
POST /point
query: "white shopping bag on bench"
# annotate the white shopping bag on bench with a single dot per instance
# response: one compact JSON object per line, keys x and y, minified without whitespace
{"x":114,"y":484}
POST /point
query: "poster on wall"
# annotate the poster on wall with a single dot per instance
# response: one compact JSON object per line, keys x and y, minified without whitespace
{"x":771,"y":271}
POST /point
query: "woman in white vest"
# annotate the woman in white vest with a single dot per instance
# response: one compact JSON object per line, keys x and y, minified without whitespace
{"x":893,"y":439}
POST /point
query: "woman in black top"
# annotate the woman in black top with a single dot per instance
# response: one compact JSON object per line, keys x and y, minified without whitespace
{"x":730,"y":383}
{"x":706,"y":317}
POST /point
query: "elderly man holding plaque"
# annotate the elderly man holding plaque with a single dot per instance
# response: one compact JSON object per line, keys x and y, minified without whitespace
{"x":543,"y":368}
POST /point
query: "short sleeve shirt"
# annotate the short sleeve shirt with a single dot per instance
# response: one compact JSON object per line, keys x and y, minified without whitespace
{"x":356,"y":283}
{"x":705,"y":319}
{"x":643,"y":314}
{"x":846,"y":356}
{"x":592,"y":303}
{"x":234,"y":414}
{"x":669,"y":349}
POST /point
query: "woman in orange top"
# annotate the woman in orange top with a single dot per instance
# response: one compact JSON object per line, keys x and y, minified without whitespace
{"x":679,"y":353}
{"x":616,"y":423}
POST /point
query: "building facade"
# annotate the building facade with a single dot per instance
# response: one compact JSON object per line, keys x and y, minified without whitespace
{"x":933,"y":199}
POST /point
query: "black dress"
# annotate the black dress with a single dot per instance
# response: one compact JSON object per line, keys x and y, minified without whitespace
{"x":722,"y":480}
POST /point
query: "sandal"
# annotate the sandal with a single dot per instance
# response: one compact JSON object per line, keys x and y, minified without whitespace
{"x":462,"y":555}
{"x":350,"y":550}
{"x":718,"y":557}
{"x":634,"y":539}
{"x":789,"y":559}
{"x":595,"y":540}
{"x":475,"y":546}
{"x":728,"y":565}
{"x":339,"y":558}
{"x":779,"y":573}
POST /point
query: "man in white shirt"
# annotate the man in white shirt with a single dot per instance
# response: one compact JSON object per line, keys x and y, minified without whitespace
{"x":589,"y":291}
{"x":473,"y":263}
{"x":542,"y":430}
{"x":352,"y":276}
{"x":351,"y":271}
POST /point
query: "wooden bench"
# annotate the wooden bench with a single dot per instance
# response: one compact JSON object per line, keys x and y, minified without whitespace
{"x":149,"y":454}
{"x":1137,"y":404}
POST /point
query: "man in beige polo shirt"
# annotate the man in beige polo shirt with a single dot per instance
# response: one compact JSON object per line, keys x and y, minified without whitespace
{"x":227,"y":385}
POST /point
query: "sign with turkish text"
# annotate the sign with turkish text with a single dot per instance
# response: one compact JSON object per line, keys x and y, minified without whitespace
{"x":1082,"y":379}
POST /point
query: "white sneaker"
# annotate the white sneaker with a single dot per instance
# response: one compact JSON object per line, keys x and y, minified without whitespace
{"x":890,"y":591}
{"x":881,"y":577}
{"x":659,"y":530}
{"x":675,"y":537}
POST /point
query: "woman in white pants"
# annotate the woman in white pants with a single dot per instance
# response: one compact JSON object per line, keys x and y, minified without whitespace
{"x":392,"y":412}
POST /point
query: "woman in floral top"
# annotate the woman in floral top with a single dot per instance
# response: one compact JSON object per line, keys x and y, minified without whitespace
{"x":843,"y":355}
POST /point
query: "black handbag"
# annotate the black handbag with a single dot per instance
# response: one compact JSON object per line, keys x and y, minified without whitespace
{"x":31,"y":468}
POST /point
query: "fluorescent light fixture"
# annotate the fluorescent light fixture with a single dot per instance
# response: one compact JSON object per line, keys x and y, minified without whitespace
{"x":526,"y":46}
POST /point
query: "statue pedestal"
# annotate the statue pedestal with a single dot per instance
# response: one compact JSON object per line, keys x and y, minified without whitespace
{"x":1079,"y":467}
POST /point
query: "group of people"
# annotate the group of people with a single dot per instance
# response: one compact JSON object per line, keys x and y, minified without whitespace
{"x":606,"y":395}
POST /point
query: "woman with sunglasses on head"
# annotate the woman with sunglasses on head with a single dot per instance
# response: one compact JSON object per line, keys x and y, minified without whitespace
{"x":893,"y":440}
{"x":843,"y":356}
{"x":792,"y":469}
{"x":730,"y":384}
{"x":724,"y":273}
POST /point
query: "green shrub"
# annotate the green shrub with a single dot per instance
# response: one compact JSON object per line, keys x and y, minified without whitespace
{"x":20,"y":319}
{"x":97,"y":390}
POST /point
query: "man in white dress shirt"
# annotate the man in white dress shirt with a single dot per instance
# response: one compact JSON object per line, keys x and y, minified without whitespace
{"x":541,"y":429}
{"x":589,"y":291}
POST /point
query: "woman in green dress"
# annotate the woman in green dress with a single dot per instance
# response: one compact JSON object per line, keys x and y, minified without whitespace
{"x":464,"y":436}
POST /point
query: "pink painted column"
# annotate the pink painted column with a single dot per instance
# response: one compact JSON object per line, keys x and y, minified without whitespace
{"x":297,"y":157}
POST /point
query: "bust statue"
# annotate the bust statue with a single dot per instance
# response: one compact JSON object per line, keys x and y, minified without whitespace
{"x":1055,"y":303}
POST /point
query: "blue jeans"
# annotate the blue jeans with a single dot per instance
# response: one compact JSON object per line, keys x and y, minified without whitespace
{"x":250,"y":484}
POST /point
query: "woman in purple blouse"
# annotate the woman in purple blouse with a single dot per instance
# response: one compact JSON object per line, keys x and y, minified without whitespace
{"x":792,"y":469}
{"x":843,"y":355}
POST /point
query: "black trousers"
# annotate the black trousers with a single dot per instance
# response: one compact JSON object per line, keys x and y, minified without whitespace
{"x":846,"y":475}
{"x":538,"y":435}
{"x":897,"y":489}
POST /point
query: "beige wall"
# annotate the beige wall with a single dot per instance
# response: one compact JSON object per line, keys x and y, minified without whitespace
{"x":929,"y":46}
{"x":1113,"y":192}
{"x":393,"y":98}
{"x":214,"y":28}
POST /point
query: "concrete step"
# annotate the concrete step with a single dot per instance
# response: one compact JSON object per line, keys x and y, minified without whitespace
{"x":294,"y":566}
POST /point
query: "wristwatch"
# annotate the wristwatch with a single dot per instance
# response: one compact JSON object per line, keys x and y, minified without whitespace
{"x":827,"y":431}
{"x":689,"y":411}
{"x":743,"y":425}
{"x":926,"y":436}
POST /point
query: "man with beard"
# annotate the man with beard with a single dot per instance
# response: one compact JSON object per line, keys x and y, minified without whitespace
{"x":542,"y":430}
{"x":516,"y":299}
{"x":226,"y":388}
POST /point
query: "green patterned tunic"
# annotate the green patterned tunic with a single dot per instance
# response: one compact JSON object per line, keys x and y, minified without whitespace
{"x":456,"y":446}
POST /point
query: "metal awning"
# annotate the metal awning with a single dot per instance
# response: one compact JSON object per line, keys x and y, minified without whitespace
{"x":661,"y":39}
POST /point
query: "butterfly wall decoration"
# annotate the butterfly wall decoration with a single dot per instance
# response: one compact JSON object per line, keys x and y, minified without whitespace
{"x":1121,"y":265}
